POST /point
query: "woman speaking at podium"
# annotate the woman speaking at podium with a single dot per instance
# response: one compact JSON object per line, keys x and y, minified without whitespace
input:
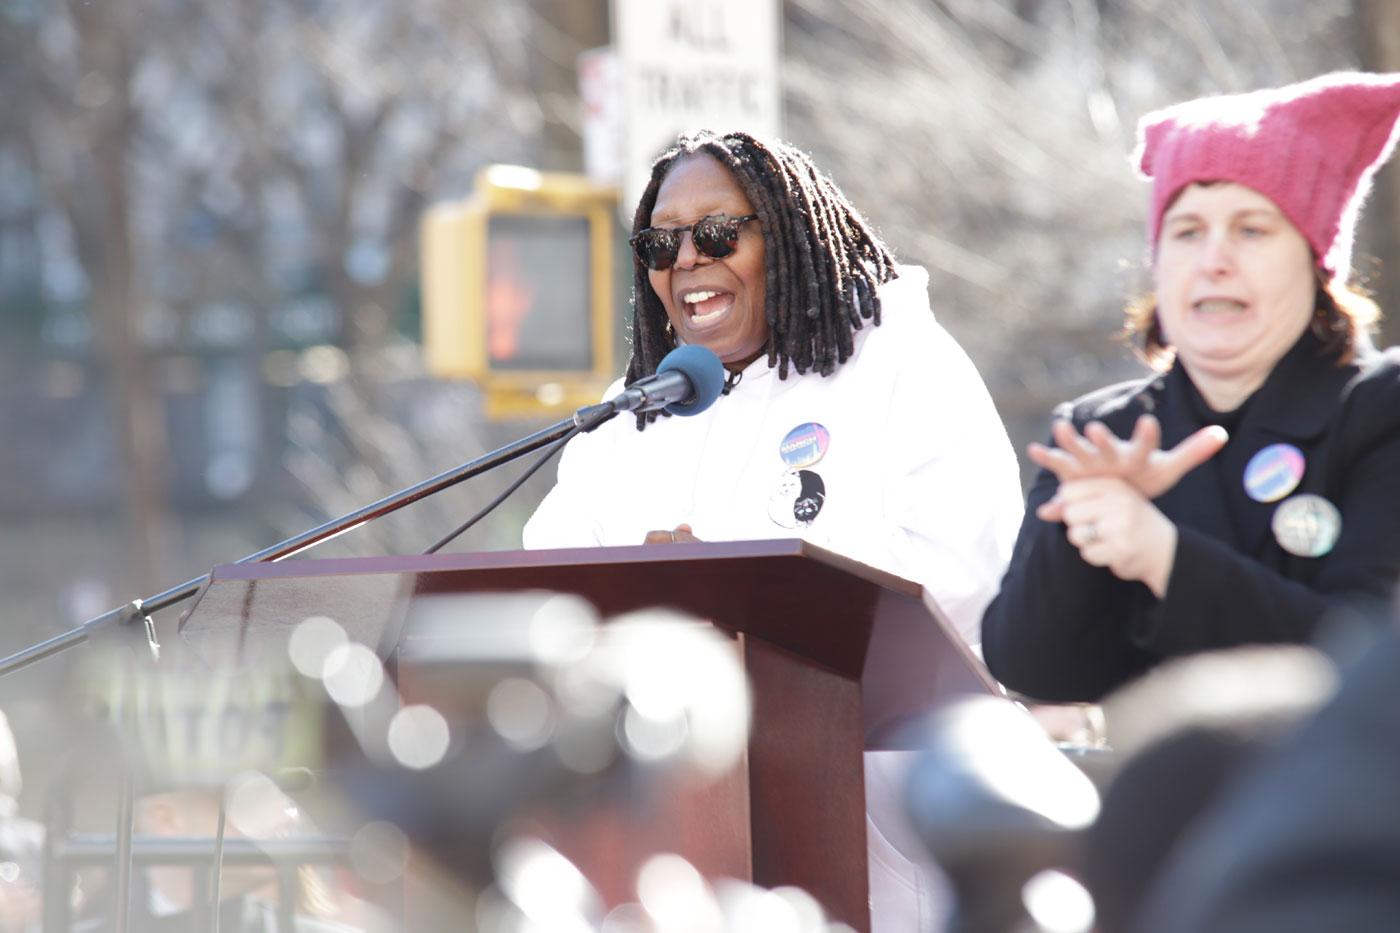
{"x":850,"y":418}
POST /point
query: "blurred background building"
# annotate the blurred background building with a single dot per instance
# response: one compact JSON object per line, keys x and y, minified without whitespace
{"x":209,"y":236}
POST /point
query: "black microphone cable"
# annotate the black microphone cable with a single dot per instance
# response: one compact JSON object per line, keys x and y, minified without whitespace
{"x":701,"y":374}
{"x":540,"y":461}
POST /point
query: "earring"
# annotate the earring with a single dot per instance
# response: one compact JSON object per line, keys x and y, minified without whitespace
{"x":670,"y":333}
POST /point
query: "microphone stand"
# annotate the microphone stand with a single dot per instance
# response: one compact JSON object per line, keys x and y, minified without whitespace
{"x":586,"y":419}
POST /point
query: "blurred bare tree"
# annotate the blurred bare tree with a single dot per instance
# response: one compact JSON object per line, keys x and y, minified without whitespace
{"x":1377,"y":25}
{"x":223,"y":171}
{"x":76,"y":123}
{"x":990,"y":141}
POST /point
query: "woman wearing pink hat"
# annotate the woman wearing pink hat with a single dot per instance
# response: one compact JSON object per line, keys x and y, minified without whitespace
{"x":1249,"y":489}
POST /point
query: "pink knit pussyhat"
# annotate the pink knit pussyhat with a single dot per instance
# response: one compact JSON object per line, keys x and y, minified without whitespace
{"x":1311,"y":148}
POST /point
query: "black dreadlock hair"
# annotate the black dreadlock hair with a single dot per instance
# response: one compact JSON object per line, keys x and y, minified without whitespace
{"x":824,"y":262}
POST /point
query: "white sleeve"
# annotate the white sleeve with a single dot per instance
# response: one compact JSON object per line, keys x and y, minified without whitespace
{"x":572,"y":514}
{"x":956,"y":496}
{"x":953,"y":500}
{"x":564,"y":518}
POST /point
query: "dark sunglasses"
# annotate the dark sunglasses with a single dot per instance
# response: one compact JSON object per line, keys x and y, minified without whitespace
{"x":715,"y":236}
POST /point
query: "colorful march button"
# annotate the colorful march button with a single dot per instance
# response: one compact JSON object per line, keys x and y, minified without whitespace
{"x":1274,"y":472}
{"x":804,"y":445}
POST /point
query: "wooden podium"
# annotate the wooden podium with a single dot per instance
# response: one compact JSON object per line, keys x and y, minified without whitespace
{"x":838,"y":656}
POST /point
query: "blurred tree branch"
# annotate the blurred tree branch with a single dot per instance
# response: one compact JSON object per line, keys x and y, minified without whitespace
{"x":990,"y":141}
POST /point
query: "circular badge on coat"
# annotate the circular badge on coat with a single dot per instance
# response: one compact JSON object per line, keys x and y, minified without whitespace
{"x":804,"y":445}
{"x":798,"y":498}
{"x":1274,"y":472}
{"x":1307,"y":525}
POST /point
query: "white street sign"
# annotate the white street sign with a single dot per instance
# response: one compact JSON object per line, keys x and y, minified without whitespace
{"x":692,"y":64}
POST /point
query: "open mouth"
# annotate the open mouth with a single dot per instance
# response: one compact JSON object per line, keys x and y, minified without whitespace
{"x":705,"y":306}
{"x":1218,"y":307}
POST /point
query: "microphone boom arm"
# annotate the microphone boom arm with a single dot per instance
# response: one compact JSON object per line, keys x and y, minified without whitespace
{"x":586,"y":418}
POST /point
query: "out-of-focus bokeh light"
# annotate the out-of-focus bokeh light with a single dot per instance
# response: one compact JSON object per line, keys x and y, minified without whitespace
{"x":1005,"y":745}
{"x":585,"y":690}
{"x":379,"y":852}
{"x":627,"y":918}
{"x":752,"y":908}
{"x":810,"y":916}
{"x":257,"y":807}
{"x":563,"y":630}
{"x":673,"y":897}
{"x":312,"y":642}
{"x":521,"y":713}
{"x":550,"y":393}
{"x":323,"y":364}
{"x":546,"y":887}
{"x":514,"y":176}
{"x":418,"y":737}
{"x":1058,"y":903}
{"x":353,"y":675}
{"x":677,"y":898}
{"x":653,"y":739}
{"x":670,"y":667}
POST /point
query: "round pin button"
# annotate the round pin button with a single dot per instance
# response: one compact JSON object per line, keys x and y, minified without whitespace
{"x":1307,"y":525}
{"x":804,"y":445}
{"x":1274,"y":472}
{"x":798,"y":498}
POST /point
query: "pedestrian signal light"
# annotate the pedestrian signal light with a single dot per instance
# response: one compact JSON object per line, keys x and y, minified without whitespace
{"x":518,"y":291}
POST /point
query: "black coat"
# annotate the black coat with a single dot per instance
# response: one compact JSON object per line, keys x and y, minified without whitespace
{"x":1063,"y":630}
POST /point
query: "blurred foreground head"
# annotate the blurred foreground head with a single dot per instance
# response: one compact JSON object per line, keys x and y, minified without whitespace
{"x":1001,"y":810}
{"x":1308,"y":838}
{"x":1182,"y":734}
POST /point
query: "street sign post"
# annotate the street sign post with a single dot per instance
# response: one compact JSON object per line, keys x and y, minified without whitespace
{"x":691,"y":64}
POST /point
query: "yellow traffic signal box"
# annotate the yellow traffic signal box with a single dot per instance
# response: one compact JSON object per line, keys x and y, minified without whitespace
{"x":518,"y":290}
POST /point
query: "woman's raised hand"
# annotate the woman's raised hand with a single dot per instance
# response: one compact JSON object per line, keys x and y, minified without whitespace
{"x":1139,"y":461}
{"x":1114,"y":525}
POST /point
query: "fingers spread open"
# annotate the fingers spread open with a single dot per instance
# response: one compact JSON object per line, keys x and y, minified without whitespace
{"x":1064,"y":466}
{"x":1051,"y":511}
{"x":1147,"y":437}
{"x":1106,"y":445}
{"x":1191,"y":453}
{"x":1071,"y":441}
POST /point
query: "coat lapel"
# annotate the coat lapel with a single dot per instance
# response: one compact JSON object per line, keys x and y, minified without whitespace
{"x":1295,"y":405}
{"x":1197,"y":500}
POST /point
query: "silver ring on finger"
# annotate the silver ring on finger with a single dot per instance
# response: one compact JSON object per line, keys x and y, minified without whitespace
{"x":1091,"y":533}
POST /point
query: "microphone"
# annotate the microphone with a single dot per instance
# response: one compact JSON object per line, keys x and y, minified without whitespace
{"x":688,"y":381}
